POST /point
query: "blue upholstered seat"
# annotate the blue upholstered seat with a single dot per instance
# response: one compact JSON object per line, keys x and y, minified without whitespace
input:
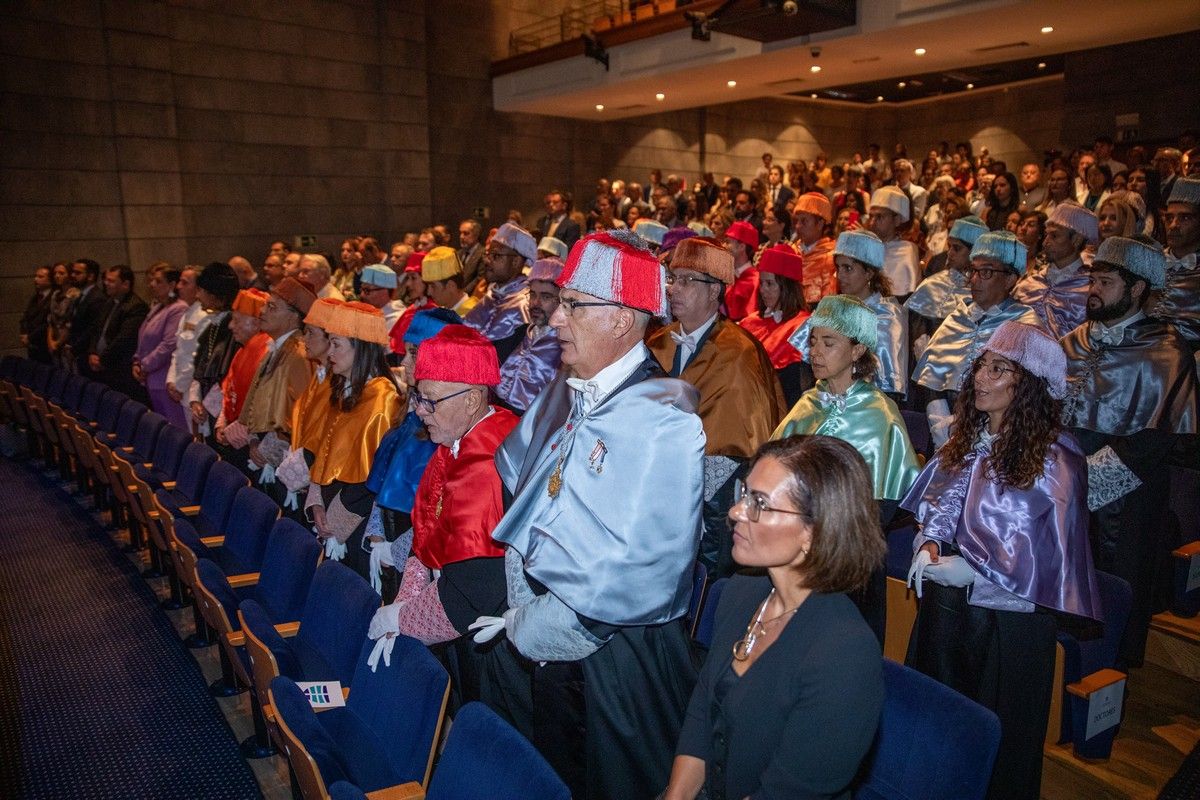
{"x":126,"y":426}
{"x":932,"y":744}
{"x":245,"y":522}
{"x":194,"y":467}
{"x":708,"y":613}
{"x":164,"y":462}
{"x":221,"y":486}
{"x":145,"y":436}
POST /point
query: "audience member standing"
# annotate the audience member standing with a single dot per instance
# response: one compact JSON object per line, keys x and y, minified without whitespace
{"x":35,"y":319}
{"x":112,"y":350}
{"x":156,"y":341}
{"x":192,"y":323}
{"x":90,"y":307}
{"x":60,"y":313}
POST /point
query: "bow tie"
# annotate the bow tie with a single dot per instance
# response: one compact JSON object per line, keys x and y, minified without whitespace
{"x":829,"y":400}
{"x":1105,"y":335}
{"x":684,"y":339}
{"x":587,"y":390}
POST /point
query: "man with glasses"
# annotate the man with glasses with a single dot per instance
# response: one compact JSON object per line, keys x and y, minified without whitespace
{"x":1131,"y":399}
{"x":605,"y":471}
{"x":505,"y":306}
{"x":377,"y":288}
{"x":741,"y":400}
{"x":265,"y":422}
{"x":997,"y":260}
{"x":534,"y":362}
{"x":1057,"y":288}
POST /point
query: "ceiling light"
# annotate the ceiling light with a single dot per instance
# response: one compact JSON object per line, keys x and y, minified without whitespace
{"x":1041,"y":65}
{"x":901,"y":84}
{"x":731,"y":84}
{"x":970,"y":86}
{"x":879,"y":99}
{"x":815,"y":68}
{"x":1047,"y":29}
{"x":660,"y":96}
{"x":599,"y":106}
{"x":920,"y":51}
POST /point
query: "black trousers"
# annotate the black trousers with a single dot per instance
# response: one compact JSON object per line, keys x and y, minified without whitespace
{"x":1003,"y":660}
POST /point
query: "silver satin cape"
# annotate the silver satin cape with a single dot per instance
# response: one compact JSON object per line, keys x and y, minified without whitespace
{"x":1180,"y":300}
{"x":1032,"y":543}
{"x":1147,"y":381}
{"x":938,"y":294}
{"x":891,"y":323}
{"x":617,"y":542}
{"x":960,"y":339}
{"x":1061,"y":306}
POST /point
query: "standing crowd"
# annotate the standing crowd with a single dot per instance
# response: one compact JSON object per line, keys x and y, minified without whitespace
{"x":528,"y":442}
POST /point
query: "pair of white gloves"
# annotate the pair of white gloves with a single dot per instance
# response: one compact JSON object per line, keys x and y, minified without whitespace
{"x":946,"y":571}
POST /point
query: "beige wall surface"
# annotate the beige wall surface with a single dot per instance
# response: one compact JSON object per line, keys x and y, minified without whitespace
{"x":194,"y":130}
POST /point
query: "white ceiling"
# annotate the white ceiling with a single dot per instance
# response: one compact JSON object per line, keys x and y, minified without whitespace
{"x":954,"y":33}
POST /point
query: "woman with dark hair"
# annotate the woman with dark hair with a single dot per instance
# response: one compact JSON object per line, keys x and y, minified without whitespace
{"x":1003,"y":546}
{"x":58,"y":320}
{"x":156,"y":341}
{"x":364,"y":404}
{"x":780,"y":311}
{"x":1098,"y":186}
{"x":1145,"y":183}
{"x":1030,"y":232}
{"x":776,"y":228}
{"x":790,"y":696}
{"x":846,"y":404}
{"x":1002,"y":200}
{"x":349,"y":264}
{"x":859,"y":257}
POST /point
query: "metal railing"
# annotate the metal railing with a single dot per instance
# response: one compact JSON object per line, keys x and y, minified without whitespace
{"x":570,"y":24}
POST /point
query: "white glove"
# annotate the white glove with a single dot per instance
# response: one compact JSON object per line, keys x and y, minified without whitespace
{"x":292,"y":501}
{"x":940,"y":421}
{"x":383,"y":648}
{"x":487,"y":628}
{"x":381,"y":554}
{"x":916,"y":572}
{"x":268,"y":474}
{"x":385,"y":621}
{"x":951,"y":571}
{"x":334,"y":550}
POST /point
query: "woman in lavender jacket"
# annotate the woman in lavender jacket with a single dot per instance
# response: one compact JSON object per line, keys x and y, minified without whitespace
{"x":156,"y":341}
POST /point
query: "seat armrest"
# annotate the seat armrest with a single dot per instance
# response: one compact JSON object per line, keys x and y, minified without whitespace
{"x":168,"y":485}
{"x":241,"y":581}
{"x":235,"y":638}
{"x":189,"y":511}
{"x":401,"y":791}
{"x":1187,"y":551}
{"x":212,"y":541}
{"x":147,"y":464}
{"x":125,"y":449}
{"x":1091,"y":684}
{"x":287,"y":629}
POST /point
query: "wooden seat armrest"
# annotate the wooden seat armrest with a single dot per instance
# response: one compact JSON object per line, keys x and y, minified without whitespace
{"x":212,"y":541}
{"x":1188,"y":550}
{"x":147,"y":464}
{"x":189,"y":511}
{"x":152,"y":514}
{"x":126,"y":449}
{"x":1092,"y":683}
{"x":112,"y":467}
{"x":287,"y":629}
{"x":168,"y":485}
{"x":132,"y":488}
{"x":240,"y":581}
{"x":401,"y":791}
{"x":345,"y":696}
{"x":235,"y":638}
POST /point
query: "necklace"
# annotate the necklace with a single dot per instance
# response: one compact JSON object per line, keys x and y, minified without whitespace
{"x":745,"y":646}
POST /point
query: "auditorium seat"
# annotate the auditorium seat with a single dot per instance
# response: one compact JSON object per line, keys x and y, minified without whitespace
{"x":234,"y":535}
{"x":210,"y":511}
{"x":699,"y":588}
{"x":163,"y":464}
{"x":188,"y":485}
{"x":707,"y":620}
{"x":384,"y":736}
{"x":932,"y":744}
{"x":917,"y":425}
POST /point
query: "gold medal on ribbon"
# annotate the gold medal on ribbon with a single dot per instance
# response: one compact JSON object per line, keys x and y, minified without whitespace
{"x":554,"y":484}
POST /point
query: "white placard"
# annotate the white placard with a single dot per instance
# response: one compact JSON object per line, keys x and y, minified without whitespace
{"x":1104,"y":708}
{"x":323,"y":694}
{"x":1193,"y":579}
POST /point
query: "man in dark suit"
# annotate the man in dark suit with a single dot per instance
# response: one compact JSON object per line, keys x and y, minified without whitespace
{"x":89,"y":310}
{"x":470,"y":252}
{"x":558,"y":222}
{"x":778,"y":193}
{"x":110,"y":358}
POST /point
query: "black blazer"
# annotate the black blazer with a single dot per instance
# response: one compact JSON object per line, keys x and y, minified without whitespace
{"x":785,"y":195}
{"x":86,"y":322}
{"x":122,"y":334}
{"x":567,"y":232}
{"x":801,"y":720}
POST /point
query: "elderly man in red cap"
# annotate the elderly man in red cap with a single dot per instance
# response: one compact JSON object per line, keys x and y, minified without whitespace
{"x":741,"y":400}
{"x":742,"y":240}
{"x":606,"y":473}
{"x":455,"y":572}
{"x":264,"y":426}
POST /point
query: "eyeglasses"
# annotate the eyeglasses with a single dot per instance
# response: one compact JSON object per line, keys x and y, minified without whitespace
{"x":686,"y":280}
{"x":756,"y":504}
{"x":569,"y":305}
{"x":428,"y":405}
{"x":364,"y":288}
{"x":994,"y":369}
{"x":985,"y":273}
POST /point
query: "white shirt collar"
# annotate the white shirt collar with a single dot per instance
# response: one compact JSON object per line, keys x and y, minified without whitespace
{"x":1113,"y":334}
{"x":457,"y":442}
{"x":698,"y":334}
{"x":604,"y":382}
{"x":275,"y":344}
{"x":1056,"y":275}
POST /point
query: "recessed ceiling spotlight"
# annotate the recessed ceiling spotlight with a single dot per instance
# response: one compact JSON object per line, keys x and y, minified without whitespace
{"x":731,"y":84}
{"x":970,"y":86}
{"x":1041,"y":65}
{"x":660,"y":96}
{"x":599,"y":106}
{"x":901,"y":84}
{"x":879,"y":99}
{"x":815,"y":68}
{"x":1048,"y":29}
{"x":920,"y":51}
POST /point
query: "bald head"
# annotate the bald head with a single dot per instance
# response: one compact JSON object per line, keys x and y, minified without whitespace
{"x":244,"y":270}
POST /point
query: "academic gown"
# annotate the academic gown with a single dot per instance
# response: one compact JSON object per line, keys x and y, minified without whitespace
{"x":1059,"y":300}
{"x":820,"y":274}
{"x":795,"y":376}
{"x":740,"y":298}
{"x":1179,"y":303}
{"x":620,"y":560}
{"x":962,"y":338}
{"x":532,"y":365}
{"x":891,"y":349}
